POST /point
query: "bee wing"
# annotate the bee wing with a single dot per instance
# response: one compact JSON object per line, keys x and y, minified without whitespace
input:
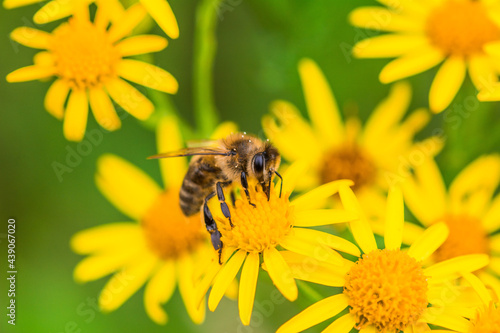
{"x":202,"y":143}
{"x":191,"y":151}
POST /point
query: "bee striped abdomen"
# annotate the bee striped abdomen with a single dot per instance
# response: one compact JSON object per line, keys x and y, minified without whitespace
{"x":198,"y":183}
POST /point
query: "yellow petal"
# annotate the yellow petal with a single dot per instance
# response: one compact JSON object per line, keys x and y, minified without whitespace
{"x":311,"y":248}
{"x":453,"y":322}
{"x":147,"y":75}
{"x":411,"y":64}
{"x":490,"y":93}
{"x":248,"y":284}
{"x":482,"y":71}
{"x":206,"y":281}
{"x":100,"y":265}
{"x":187,"y":284}
{"x":388,"y":113}
{"x":317,"y":217}
{"x":429,"y":241}
{"x":126,"y":186}
{"x":394,"y":219}
{"x":112,"y":9}
{"x":293,"y":173}
{"x":321,"y":103}
{"x":161,"y":12}
{"x":105,"y":236}
{"x":343,"y":324}
{"x":282,"y":129}
{"x":335,"y":242}
{"x":384,"y":20}
{"x":490,"y":280}
{"x":9,"y":4}
{"x":168,"y":138}
{"x":103,"y":109}
{"x":141,"y":44}
{"x":446,"y":84}
{"x":158,"y":291}
{"x":280,"y":273}
{"x":479,"y":287}
{"x":130,"y":99}
{"x":480,"y":176}
{"x":126,"y":282}
{"x":360,"y":228}
{"x":77,"y":113}
{"x":309,"y":269}
{"x":57,"y":9}
{"x":224,"y":278}
{"x":30,"y":37}
{"x":452,"y":268}
{"x":56,"y":97}
{"x":315,"y":314}
{"x":310,"y":199}
{"x":491,"y":220}
{"x":128,"y":21}
{"x":388,"y":46}
{"x":30,"y":73}
{"x":223,"y":130}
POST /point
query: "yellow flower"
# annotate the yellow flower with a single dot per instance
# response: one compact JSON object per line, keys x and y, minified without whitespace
{"x":425,"y":33}
{"x":467,"y":208}
{"x":389,"y":289}
{"x":162,"y":248}
{"x":261,"y":230}
{"x":88,"y":62}
{"x":341,"y":150}
{"x":159,"y":10}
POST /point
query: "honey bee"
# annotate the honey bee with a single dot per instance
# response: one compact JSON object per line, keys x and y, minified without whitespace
{"x":235,"y":159}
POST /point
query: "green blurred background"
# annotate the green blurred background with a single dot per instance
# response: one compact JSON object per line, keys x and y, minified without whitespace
{"x":259,"y":45}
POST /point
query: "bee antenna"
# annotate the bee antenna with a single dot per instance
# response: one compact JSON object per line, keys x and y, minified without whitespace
{"x":281,"y":184}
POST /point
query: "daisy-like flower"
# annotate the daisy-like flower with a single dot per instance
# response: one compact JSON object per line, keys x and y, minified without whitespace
{"x":260,"y":231}
{"x":389,"y":289}
{"x":163,"y":248}
{"x":88,"y":62}
{"x":159,"y":10}
{"x":467,"y":208}
{"x":425,"y":33}
{"x":341,"y":150}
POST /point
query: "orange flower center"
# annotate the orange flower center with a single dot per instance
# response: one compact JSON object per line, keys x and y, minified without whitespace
{"x":386,"y":289}
{"x":83,"y":54}
{"x":467,"y":236}
{"x":487,"y":320}
{"x":348,"y":162}
{"x":168,"y":232}
{"x":255,"y":228}
{"x":461,"y":27}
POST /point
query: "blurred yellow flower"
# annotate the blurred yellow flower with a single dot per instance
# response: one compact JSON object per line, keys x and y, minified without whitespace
{"x":390,"y":290}
{"x":159,"y":10}
{"x":371,"y":156}
{"x":467,"y":208}
{"x":88,"y":62}
{"x":163,"y":249}
{"x":426,"y":33}
{"x":262,"y":229}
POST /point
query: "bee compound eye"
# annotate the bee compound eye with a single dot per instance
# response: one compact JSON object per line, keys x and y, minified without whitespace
{"x":258,"y":165}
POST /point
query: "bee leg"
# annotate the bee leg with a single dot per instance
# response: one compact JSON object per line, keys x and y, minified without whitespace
{"x":211,"y":225}
{"x":281,"y":183}
{"x":222,"y":199}
{"x":244,"y":184}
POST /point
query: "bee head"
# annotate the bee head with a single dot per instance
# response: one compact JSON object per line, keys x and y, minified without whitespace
{"x":264,"y":165}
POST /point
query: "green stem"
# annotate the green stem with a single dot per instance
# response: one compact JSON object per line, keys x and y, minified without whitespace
{"x":307,"y":290}
{"x":205,"y":44}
